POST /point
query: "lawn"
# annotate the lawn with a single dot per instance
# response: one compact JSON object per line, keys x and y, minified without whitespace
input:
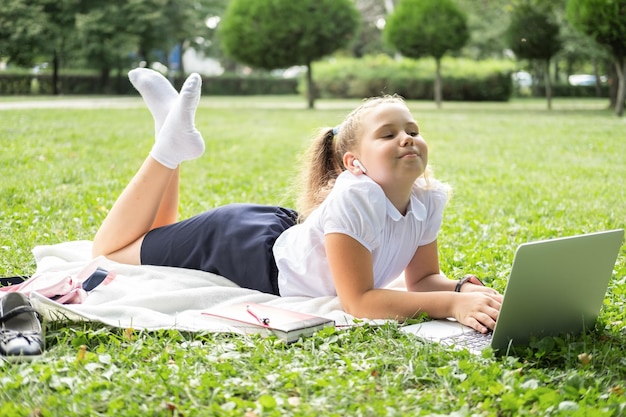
{"x":519,"y":173}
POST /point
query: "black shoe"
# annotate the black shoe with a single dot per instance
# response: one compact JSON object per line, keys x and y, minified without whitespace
{"x":20,"y":328}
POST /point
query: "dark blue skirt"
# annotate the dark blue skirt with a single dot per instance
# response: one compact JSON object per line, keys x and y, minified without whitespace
{"x":234,"y":241}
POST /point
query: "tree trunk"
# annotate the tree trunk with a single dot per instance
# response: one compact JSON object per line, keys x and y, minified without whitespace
{"x":438,"y":82}
{"x":557,"y":71}
{"x":596,"y":72}
{"x":613,"y":83}
{"x":310,"y":88}
{"x":548,"y":82}
{"x":181,"y":64}
{"x":118,"y":79}
{"x":104,"y":78}
{"x":620,"y":67}
{"x":55,"y":73}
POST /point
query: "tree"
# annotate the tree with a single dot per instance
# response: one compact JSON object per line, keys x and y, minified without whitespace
{"x":605,"y":22}
{"x":188,"y":24}
{"x":20,"y":27}
{"x":369,"y":40}
{"x":35,"y":29}
{"x":534,"y":35}
{"x":273,"y":34}
{"x":111,"y":31}
{"x":579,"y":50}
{"x":419,"y":28}
{"x":104,"y":41}
{"x":486,"y":21}
{"x":99,"y":34}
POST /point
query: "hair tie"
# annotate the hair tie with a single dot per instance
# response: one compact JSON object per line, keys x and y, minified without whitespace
{"x":335,"y":130}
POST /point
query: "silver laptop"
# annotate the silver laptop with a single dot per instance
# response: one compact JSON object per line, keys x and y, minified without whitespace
{"x":556,"y":287}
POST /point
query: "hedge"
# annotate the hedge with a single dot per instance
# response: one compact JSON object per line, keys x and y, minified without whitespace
{"x":27,"y":84}
{"x":339,"y":78}
{"x":15,"y":84}
{"x":566,"y":90}
{"x":462,"y":79}
{"x":237,"y":85}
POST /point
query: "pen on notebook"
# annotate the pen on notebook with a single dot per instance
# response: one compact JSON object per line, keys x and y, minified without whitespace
{"x":259,"y":317}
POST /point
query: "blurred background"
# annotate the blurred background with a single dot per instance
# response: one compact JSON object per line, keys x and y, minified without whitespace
{"x":421,"y":49}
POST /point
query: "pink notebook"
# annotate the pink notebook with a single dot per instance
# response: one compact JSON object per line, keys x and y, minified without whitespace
{"x":286,"y":324}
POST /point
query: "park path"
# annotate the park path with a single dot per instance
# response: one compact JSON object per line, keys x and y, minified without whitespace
{"x":291,"y":102}
{"x":71,"y":103}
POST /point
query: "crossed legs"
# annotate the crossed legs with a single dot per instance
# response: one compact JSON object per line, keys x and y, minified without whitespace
{"x":150,"y":199}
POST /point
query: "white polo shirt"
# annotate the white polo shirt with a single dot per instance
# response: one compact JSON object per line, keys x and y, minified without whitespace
{"x":357,"y":207}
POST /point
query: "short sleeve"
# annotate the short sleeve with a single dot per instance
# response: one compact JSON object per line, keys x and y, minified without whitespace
{"x":356,"y":209}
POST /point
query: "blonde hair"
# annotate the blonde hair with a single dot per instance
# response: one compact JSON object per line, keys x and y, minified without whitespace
{"x":323,"y":160}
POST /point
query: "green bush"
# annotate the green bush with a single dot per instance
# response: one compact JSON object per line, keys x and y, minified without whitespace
{"x":413,"y":79}
{"x":26,"y":83}
{"x":84,"y":84}
{"x":15,"y":84}
{"x":234,"y":85}
{"x":566,"y":90}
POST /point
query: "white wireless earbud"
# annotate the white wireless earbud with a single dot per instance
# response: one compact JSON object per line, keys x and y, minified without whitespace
{"x":359,"y":166}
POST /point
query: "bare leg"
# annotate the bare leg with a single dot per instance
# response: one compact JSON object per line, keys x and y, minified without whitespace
{"x":151,"y":198}
{"x":160,"y":96}
{"x":168,"y":210}
{"x":133,"y":214}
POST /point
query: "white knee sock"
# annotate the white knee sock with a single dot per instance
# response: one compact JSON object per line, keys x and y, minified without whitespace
{"x":179,"y":140}
{"x":157,"y":92}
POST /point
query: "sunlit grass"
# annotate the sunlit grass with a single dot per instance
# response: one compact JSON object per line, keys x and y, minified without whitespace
{"x":518,"y":172}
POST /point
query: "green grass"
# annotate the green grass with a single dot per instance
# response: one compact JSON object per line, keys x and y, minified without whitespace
{"x":519,"y":173}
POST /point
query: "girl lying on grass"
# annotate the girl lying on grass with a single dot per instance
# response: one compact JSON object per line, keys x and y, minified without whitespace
{"x":367,"y":213}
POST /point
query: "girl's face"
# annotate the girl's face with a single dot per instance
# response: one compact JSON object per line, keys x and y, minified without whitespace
{"x":391,"y":148}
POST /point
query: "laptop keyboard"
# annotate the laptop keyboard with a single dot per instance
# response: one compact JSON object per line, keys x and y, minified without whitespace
{"x":469,"y":340}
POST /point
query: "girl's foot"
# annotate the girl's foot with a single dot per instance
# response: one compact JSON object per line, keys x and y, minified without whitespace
{"x":178,"y":139}
{"x":157,"y":92}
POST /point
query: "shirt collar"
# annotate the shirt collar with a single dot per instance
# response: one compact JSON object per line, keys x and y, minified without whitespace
{"x":416,"y":209}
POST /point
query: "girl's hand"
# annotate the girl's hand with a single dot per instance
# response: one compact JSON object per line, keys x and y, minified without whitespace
{"x":477,"y":307}
{"x":483,"y":289}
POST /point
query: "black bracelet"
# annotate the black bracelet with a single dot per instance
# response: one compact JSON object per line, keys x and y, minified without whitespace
{"x":472,"y":279}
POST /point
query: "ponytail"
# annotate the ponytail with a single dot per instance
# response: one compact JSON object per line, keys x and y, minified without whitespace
{"x":321,"y":167}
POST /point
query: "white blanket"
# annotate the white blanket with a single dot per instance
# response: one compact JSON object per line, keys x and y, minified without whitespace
{"x":155,"y":297}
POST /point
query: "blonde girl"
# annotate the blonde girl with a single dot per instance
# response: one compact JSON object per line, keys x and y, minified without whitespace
{"x":367,"y":213}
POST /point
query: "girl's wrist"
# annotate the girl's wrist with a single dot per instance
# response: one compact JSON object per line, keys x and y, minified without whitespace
{"x":469,"y":278}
